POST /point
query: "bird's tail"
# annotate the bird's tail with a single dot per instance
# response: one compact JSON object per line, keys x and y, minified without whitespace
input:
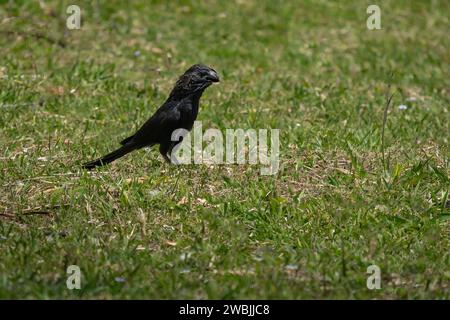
{"x":110,"y":157}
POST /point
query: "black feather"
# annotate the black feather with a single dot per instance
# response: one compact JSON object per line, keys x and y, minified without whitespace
{"x":110,"y":157}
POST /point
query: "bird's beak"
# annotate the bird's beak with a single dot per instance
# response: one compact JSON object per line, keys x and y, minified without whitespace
{"x":213,"y":76}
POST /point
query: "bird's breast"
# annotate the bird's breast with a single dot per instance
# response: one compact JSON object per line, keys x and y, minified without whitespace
{"x":189,"y":115}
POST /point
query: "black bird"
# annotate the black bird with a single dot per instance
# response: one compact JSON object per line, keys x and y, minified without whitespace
{"x":178,"y":112}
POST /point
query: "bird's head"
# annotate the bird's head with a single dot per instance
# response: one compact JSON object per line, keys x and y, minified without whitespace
{"x":196,"y":79}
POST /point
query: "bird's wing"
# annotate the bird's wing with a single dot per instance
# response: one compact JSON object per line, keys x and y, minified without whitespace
{"x":159,"y":126}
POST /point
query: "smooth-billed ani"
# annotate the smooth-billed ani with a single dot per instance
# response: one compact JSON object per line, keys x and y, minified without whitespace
{"x":178,"y":112}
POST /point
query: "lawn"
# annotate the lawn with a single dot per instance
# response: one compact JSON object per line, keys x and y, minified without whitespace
{"x":346,"y":196}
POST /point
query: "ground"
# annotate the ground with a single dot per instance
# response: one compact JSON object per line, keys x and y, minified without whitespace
{"x":345,"y":198}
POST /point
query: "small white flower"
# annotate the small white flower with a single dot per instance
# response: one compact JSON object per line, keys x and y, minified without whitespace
{"x":137,"y":53}
{"x":154,"y":193}
{"x":185,"y":256}
{"x":292,"y":267}
{"x":167,"y":228}
{"x":402,"y":107}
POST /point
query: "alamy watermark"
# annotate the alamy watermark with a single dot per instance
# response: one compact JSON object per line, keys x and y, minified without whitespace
{"x":74,"y":279}
{"x":237,"y":146}
{"x":374,"y":280}
{"x":74,"y":20}
{"x":374,"y":20}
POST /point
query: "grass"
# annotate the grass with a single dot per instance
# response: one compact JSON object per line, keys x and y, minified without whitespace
{"x":142,"y":229}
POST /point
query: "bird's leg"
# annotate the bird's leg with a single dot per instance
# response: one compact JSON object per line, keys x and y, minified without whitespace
{"x":166,"y":158}
{"x":173,"y":146}
{"x":164,"y":149}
